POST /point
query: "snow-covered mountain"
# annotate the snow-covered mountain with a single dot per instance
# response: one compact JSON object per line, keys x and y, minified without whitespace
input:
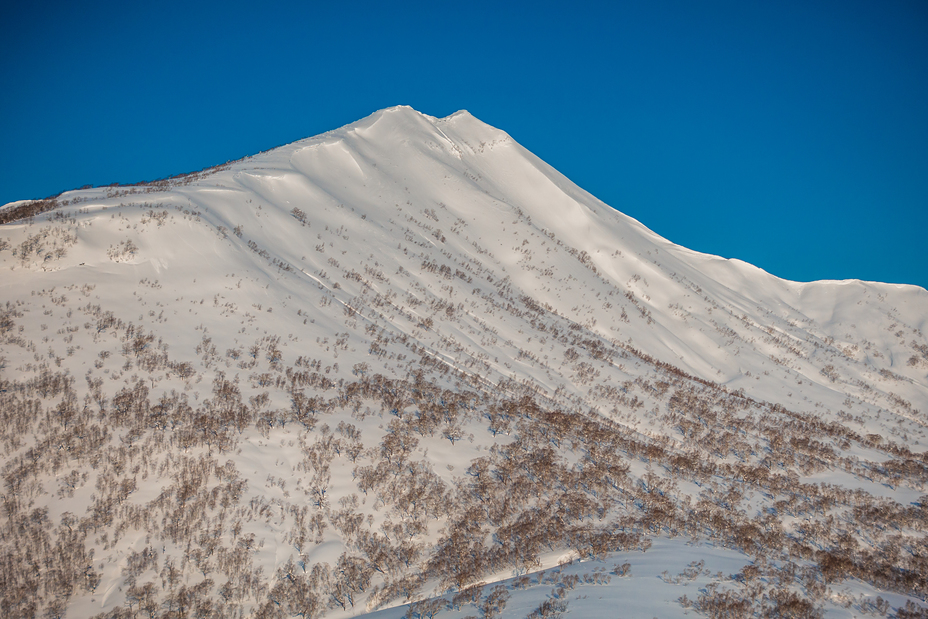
{"x":405,"y":357}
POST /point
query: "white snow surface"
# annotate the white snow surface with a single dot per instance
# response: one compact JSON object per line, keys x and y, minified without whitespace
{"x":447,"y":232}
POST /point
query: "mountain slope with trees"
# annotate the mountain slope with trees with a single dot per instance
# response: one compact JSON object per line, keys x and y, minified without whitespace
{"x":408,"y":359}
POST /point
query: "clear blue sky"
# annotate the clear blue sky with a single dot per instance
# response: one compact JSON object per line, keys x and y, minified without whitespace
{"x":792,"y":135}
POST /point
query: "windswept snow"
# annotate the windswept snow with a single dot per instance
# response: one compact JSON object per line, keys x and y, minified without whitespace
{"x":401,"y":244}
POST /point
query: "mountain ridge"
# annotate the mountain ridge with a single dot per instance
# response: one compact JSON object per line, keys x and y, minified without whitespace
{"x":414,"y":332}
{"x":292,"y":174}
{"x":411,"y":112}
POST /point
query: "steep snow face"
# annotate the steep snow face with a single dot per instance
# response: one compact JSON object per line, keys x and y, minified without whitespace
{"x":402,"y":189}
{"x":425,"y":249}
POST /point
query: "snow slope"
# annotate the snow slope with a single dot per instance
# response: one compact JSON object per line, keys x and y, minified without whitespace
{"x":404,"y":245}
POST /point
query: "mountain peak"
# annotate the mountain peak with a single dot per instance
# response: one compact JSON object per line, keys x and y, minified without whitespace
{"x":407,"y":356}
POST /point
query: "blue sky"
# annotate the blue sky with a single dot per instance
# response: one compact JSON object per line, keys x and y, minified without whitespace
{"x":792,"y":135}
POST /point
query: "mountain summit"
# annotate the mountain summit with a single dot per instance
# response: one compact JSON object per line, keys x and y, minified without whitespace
{"x":407,"y":358}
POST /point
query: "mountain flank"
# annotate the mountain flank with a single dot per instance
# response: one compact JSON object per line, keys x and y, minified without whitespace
{"x":407,"y":368}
